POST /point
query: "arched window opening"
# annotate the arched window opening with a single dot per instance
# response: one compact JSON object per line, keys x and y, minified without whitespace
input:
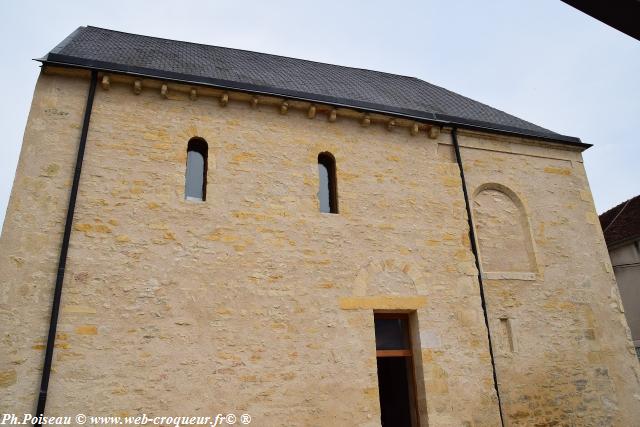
{"x":328,"y":191}
{"x":196,"y":176}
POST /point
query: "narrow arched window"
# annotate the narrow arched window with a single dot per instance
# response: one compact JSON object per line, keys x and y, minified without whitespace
{"x":328,"y":191}
{"x":195,"y":187}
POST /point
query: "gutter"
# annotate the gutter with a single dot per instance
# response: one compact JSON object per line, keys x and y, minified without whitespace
{"x":474,"y":249}
{"x":56,"y":59}
{"x":62,"y":262}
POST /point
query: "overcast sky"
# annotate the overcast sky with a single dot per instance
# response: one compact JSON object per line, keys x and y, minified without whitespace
{"x":540,"y":60}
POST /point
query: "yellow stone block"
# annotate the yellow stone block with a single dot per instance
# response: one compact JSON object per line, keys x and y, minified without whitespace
{"x":382,"y":303}
{"x":592,"y":218}
{"x":78,"y":309}
{"x":87,"y":330}
{"x":8,"y":378}
{"x":557,"y":171}
{"x":123,"y":238}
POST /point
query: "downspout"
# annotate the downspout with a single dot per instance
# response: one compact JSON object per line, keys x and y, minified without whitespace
{"x":57,"y":294}
{"x":474,"y":249}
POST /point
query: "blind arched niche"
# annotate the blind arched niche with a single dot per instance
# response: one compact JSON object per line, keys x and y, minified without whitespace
{"x":503,"y":232}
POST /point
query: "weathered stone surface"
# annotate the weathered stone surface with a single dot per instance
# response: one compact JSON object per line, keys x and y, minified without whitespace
{"x":570,"y":364}
{"x":254,"y":301}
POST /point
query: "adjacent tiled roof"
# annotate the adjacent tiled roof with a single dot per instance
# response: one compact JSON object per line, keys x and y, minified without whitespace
{"x":116,"y":51}
{"x":622,"y":223}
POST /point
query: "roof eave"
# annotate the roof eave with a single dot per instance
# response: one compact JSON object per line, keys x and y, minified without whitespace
{"x":53,"y":58}
{"x":622,"y":242}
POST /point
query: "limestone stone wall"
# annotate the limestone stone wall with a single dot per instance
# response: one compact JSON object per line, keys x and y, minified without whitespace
{"x":254,"y":301}
{"x":31,"y":236}
{"x":562,"y":346}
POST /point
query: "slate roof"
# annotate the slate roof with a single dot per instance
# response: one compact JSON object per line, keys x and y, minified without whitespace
{"x":107,"y":50}
{"x":622,"y":223}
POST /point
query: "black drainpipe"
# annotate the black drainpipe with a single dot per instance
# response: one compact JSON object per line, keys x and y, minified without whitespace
{"x":474,"y":249}
{"x":57,"y":293}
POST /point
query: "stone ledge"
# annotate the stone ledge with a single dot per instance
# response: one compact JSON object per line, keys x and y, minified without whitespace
{"x":509,"y":275}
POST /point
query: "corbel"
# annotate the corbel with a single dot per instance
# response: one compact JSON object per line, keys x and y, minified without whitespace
{"x":164,"y":91}
{"x":433,"y":132}
{"x":366,"y":121}
{"x":312,"y":112}
{"x":254,"y":102}
{"x":224,"y":99}
{"x":415,"y":128}
{"x":106,"y":82}
{"x":391,"y":124}
{"x":333,"y":115}
{"x":284,"y":107}
{"x":193,"y":94}
{"x":137,"y":87}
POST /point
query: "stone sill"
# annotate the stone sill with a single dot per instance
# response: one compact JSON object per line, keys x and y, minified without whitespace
{"x":509,"y":275}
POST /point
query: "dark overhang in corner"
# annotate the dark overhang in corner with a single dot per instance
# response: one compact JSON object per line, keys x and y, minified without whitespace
{"x":623,"y":15}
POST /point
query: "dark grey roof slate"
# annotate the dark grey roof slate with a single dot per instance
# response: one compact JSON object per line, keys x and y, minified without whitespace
{"x":104,"y":49}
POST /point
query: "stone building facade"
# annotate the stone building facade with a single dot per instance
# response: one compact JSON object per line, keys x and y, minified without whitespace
{"x":253,"y":301}
{"x":621,"y":227}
